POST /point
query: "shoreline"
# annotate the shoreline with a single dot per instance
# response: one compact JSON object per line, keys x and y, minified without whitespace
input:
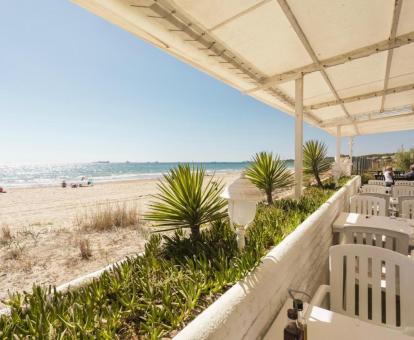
{"x":99,"y":181}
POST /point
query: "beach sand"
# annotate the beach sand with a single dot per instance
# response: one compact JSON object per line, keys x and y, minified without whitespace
{"x":44,"y":243}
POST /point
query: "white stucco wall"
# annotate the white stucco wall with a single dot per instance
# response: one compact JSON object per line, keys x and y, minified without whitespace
{"x":300,"y":261}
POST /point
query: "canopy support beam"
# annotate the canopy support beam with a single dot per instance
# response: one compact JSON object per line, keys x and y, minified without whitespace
{"x":370,"y":116}
{"x":361,"y":96}
{"x":298,"y":137}
{"x":238,"y":15}
{"x":359,"y":53}
{"x":305,"y":42}
{"x":392,"y":118}
{"x":393,"y":34}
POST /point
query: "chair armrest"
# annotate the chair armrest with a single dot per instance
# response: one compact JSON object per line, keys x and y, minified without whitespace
{"x":318,"y":298}
{"x":320,"y":294}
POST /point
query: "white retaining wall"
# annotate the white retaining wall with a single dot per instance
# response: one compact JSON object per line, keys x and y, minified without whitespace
{"x":300,"y":261}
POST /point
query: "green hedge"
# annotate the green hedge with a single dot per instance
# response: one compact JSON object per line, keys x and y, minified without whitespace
{"x":155,"y":295}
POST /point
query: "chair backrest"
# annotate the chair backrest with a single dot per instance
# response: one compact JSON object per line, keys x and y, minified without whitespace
{"x":402,"y":191}
{"x":407,"y":208}
{"x":404,"y":183}
{"x":372,"y":284}
{"x":378,"y":237}
{"x":377,"y":189}
{"x":401,"y":200}
{"x":386,"y":197}
{"x":376,"y":182}
{"x":368,"y":205}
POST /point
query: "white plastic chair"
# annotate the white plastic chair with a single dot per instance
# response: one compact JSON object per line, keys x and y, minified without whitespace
{"x":368,"y":205}
{"x":378,"y":237}
{"x":386,"y":197}
{"x":398,"y":191}
{"x":376,"y":182}
{"x":407,"y":209}
{"x":401,"y":200}
{"x":375,"y":189}
{"x":379,"y":291}
{"x":404,"y":183}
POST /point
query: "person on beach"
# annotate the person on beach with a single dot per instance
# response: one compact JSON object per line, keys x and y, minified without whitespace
{"x":2,"y":191}
{"x":388,"y":176}
{"x":409,"y":176}
{"x":64,"y":185}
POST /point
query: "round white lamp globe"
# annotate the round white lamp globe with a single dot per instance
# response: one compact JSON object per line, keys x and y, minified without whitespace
{"x":242,"y":196}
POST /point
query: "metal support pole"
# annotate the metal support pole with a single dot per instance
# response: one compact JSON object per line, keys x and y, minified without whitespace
{"x":338,"y":145}
{"x":298,"y":136}
{"x":351,"y":165}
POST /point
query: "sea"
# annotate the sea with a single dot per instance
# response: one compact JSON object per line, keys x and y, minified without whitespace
{"x":33,"y":175}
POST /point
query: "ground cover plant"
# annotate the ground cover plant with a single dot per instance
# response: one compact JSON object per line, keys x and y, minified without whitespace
{"x":155,"y":295}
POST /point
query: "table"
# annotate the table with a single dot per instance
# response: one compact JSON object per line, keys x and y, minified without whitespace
{"x":324,"y":324}
{"x":395,"y":224}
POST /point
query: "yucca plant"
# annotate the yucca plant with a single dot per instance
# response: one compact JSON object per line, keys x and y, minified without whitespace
{"x":315,"y":162}
{"x":186,"y":201}
{"x":269,"y":172}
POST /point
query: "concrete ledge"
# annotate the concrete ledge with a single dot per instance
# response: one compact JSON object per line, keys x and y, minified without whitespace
{"x":300,"y":261}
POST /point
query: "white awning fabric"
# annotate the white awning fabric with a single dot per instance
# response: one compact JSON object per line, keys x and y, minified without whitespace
{"x":356,"y":56}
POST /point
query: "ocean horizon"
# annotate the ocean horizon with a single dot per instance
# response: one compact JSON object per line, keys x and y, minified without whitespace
{"x":33,"y":175}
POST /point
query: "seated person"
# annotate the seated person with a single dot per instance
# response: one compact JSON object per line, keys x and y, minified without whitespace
{"x":84,"y":182}
{"x":2,"y":191}
{"x":388,"y":176}
{"x":409,"y":176}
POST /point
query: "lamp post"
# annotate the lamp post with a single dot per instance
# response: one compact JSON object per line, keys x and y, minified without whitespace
{"x":242,"y":196}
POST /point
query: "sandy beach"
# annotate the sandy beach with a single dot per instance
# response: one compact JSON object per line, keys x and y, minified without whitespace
{"x":43,"y":247}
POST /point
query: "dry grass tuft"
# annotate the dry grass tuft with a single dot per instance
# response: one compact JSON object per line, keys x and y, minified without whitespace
{"x":85,"y":249}
{"x":6,"y":235}
{"x":109,"y":216}
{"x":15,"y":251}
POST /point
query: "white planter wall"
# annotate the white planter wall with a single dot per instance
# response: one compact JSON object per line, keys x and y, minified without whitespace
{"x":300,"y":261}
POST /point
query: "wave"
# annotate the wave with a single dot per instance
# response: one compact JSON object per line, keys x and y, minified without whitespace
{"x":53,"y":175}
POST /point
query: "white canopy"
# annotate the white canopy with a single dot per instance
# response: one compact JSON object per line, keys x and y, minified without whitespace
{"x":356,"y":56}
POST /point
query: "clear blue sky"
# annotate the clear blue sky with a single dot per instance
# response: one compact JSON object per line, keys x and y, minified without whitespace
{"x":74,"y":87}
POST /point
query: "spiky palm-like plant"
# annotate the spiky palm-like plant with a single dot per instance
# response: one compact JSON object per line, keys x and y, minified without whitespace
{"x":185,"y":201}
{"x":314,"y":160}
{"x":269,"y":172}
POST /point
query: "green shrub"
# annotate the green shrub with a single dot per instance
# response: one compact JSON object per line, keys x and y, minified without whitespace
{"x":404,"y":158}
{"x":315,"y":162}
{"x":187,"y":200}
{"x":366,"y":176}
{"x":155,"y":295}
{"x":268,"y":172}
